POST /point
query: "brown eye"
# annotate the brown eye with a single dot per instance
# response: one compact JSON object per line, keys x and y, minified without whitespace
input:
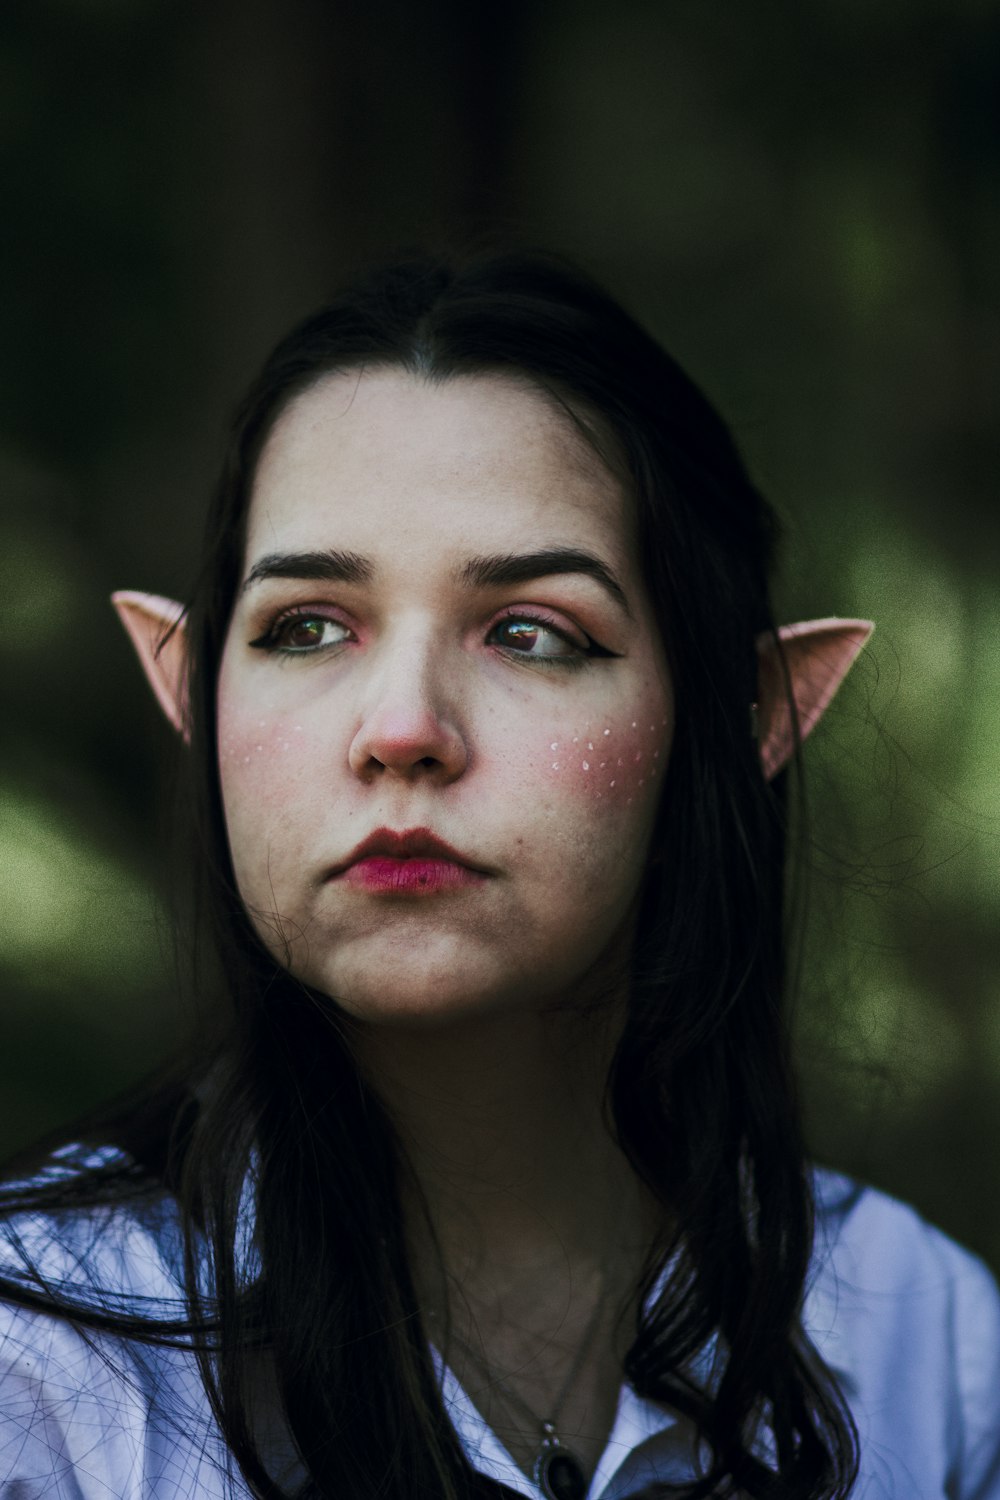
{"x":532,"y":638}
{"x":301,"y":634}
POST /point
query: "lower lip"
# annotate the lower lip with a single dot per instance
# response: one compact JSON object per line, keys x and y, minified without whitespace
{"x":409,"y":877}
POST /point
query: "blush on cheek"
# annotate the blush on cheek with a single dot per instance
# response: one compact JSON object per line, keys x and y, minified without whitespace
{"x":256,"y":751}
{"x":611,"y":760}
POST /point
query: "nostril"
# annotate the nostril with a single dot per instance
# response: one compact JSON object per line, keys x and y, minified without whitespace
{"x":407,"y":746}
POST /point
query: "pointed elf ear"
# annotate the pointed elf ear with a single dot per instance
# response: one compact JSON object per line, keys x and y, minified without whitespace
{"x":816,"y":655}
{"x":157,"y":629}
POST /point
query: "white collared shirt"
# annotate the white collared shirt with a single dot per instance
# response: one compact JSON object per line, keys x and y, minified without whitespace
{"x":909,"y":1322}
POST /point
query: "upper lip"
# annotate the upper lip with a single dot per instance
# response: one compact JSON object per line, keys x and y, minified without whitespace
{"x":411,"y":843}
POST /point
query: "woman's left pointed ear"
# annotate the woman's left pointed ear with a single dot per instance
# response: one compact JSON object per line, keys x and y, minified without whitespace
{"x":816,"y":655}
{"x":156,"y":627}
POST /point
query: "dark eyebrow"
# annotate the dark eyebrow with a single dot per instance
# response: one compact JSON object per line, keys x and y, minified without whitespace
{"x":497,"y":570}
{"x":505,"y":568}
{"x":331,"y":566}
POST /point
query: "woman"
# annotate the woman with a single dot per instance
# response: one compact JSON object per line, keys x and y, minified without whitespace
{"x":486,"y":1175}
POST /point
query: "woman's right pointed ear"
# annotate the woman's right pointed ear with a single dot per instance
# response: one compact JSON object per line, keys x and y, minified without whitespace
{"x":157,"y":630}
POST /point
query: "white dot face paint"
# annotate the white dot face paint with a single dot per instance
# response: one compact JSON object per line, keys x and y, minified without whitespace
{"x":419,"y":715}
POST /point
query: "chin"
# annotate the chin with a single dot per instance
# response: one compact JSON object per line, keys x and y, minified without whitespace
{"x":419,"y":1004}
{"x":426,"y":985}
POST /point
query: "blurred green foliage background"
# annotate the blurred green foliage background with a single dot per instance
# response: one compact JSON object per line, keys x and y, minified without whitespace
{"x":804,"y":204}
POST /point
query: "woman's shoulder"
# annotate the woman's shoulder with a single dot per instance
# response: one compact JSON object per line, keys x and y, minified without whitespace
{"x":868,"y":1239}
{"x":84,"y":1227}
{"x":910,"y":1322}
{"x":85,"y":1407}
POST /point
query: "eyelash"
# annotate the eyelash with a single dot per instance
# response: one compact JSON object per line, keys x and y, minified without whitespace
{"x":271,"y":639}
{"x":525,"y":617}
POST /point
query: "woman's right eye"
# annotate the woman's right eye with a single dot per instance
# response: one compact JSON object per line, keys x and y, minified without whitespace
{"x":300,"y":634}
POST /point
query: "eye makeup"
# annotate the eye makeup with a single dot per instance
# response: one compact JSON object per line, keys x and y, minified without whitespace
{"x":278,"y":636}
{"x":305,"y":630}
{"x":524,"y":629}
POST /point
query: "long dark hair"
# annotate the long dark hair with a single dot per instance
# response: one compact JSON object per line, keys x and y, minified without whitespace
{"x":700,"y":1092}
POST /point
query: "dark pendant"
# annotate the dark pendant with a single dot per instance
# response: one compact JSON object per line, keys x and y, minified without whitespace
{"x":559,"y":1474}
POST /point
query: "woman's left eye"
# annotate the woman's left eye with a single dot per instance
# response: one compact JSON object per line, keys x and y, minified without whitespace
{"x":534,"y":639}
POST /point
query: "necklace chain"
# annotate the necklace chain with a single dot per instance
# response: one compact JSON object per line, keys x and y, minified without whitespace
{"x":550,"y":1449}
{"x":585,"y":1346}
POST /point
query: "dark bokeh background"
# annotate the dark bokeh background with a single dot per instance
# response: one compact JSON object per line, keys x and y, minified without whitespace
{"x":803,"y":202}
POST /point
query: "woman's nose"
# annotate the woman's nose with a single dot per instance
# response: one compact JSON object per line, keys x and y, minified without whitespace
{"x":409,"y":729}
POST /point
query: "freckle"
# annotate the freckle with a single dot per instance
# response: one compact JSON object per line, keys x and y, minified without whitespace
{"x":586,"y":765}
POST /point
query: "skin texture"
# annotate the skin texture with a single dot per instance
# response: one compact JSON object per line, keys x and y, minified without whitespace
{"x":420,"y":708}
{"x":423,"y":709}
{"x":540,"y":762}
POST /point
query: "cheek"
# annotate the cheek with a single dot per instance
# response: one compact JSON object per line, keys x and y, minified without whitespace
{"x":249,"y":745}
{"x":264,"y":761}
{"x":615,"y":761}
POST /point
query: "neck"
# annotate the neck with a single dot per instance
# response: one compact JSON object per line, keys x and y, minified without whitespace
{"x":527,"y":1227}
{"x":513,"y":1166}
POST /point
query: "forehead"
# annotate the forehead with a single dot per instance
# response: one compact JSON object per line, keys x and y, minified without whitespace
{"x":388,"y":462}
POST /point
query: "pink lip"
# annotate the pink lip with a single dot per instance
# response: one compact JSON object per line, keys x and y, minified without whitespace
{"x":411,"y":877}
{"x":412,"y":863}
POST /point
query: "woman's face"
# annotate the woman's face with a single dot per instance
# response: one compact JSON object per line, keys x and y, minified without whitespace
{"x":444,"y":711}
